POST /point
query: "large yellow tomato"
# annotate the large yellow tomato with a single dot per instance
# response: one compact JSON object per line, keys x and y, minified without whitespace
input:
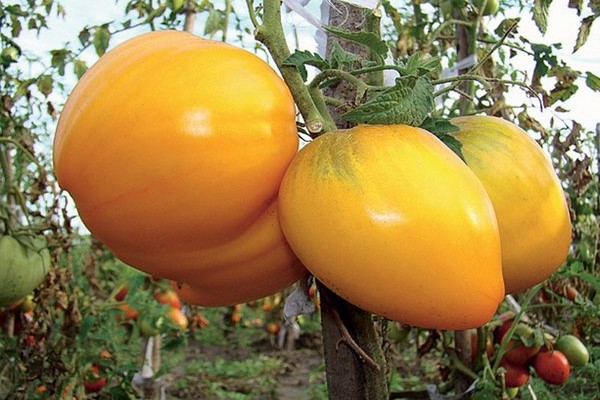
{"x":393,"y":221}
{"x":533,"y":217}
{"x":173,"y":148}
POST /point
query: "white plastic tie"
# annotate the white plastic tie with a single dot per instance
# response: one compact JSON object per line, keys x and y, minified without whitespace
{"x":298,"y":7}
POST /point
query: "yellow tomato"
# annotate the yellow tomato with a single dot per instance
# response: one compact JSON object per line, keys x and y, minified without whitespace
{"x":173,"y":148}
{"x":533,"y":217}
{"x":393,"y":221}
{"x":258,"y":259}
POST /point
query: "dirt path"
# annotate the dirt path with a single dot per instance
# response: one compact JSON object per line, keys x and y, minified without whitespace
{"x":299,"y":374}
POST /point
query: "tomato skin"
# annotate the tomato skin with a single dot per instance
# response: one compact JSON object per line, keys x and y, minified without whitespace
{"x":574,"y":349}
{"x":534,"y":221}
{"x":272,"y":328}
{"x":387,"y":217}
{"x":517,"y":352}
{"x":552,"y":366}
{"x":516,"y":375}
{"x":507,"y":319}
{"x":96,"y":382}
{"x":128,"y":312}
{"x":168,"y":297}
{"x":149,"y":326}
{"x":173,"y":162}
{"x":122,"y":293}
{"x":22,"y":269}
{"x":177,"y":316}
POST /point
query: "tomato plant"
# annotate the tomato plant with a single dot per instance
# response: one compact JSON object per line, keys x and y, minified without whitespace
{"x":397,"y":213}
{"x":173,"y":148}
{"x":552,"y":366}
{"x":533,"y":217}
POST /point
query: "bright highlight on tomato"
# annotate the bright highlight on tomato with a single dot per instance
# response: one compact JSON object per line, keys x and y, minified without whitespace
{"x":393,"y":221}
{"x":173,"y":148}
{"x":535,"y":227}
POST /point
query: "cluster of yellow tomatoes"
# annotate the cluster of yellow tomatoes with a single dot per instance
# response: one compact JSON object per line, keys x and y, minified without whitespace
{"x":182,"y":156}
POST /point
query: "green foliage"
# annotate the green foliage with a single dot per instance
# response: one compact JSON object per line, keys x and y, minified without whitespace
{"x":408,"y":102}
{"x":101,"y":39}
{"x":301,"y":58}
{"x":540,"y":14}
{"x":592,"y":81}
{"x":441,"y":127}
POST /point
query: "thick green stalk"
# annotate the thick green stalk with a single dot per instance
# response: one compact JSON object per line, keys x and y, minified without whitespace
{"x":271,"y":34}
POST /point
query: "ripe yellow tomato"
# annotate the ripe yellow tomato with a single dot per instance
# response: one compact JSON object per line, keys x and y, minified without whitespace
{"x":533,"y":217}
{"x":258,"y":259}
{"x":173,"y":148}
{"x":393,"y":221}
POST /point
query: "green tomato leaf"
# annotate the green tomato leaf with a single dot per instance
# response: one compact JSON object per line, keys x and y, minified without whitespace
{"x":540,"y":14}
{"x":441,"y":128}
{"x":84,"y":36}
{"x":591,"y":279}
{"x":45,"y":84}
{"x":58,"y":60}
{"x":215,"y":22}
{"x":100,"y":39}
{"x":79,"y":68}
{"x":418,"y":65}
{"x":503,"y":26}
{"x":592,"y":81}
{"x":342,"y":59}
{"x":368,"y":39}
{"x":300,"y":59}
{"x":561,"y":92}
{"x":584,"y":31}
{"x":408,"y":102}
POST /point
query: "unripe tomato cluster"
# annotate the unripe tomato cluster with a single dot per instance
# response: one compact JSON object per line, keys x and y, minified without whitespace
{"x":526,"y":352}
{"x":189,"y":170}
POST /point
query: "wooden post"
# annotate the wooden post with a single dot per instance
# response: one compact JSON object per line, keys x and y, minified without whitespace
{"x":354,"y":359}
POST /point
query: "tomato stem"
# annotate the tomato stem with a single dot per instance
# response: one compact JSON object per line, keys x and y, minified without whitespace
{"x":460,"y":366}
{"x":271,"y":34}
{"x":472,"y":70}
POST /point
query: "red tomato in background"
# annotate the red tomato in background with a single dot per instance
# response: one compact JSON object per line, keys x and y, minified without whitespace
{"x":516,"y":375}
{"x":552,"y":366}
{"x":517,"y":351}
{"x":94,"y":382}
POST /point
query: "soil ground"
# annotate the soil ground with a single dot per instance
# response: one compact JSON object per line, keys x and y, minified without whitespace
{"x":298,"y":369}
